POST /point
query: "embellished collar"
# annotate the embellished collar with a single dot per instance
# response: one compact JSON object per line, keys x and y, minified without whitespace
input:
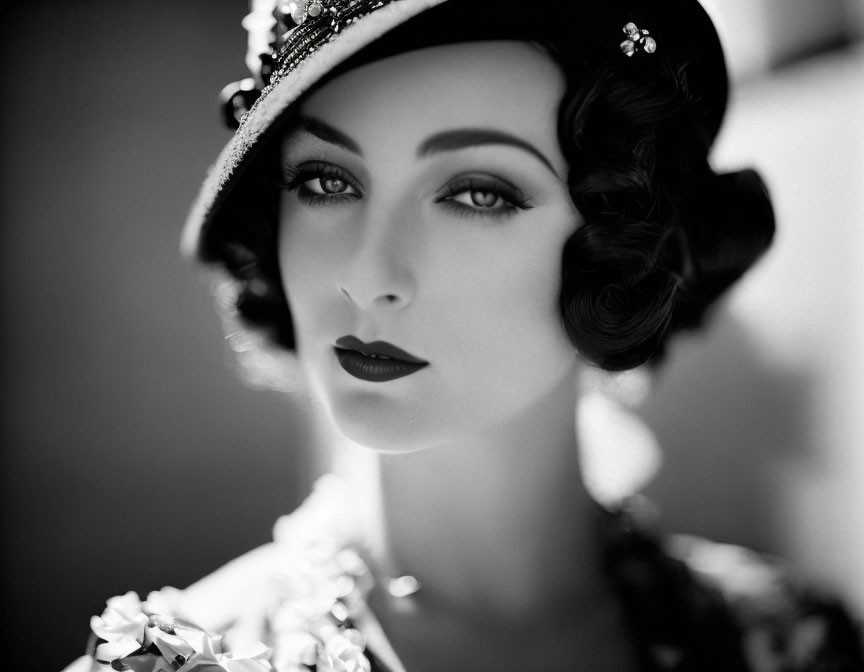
{"x":690,"y":604}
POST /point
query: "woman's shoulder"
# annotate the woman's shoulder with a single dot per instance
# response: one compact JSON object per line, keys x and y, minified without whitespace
{"x":711,"y":605}
{"x":247,"y":585}
{"x":226,"y":595}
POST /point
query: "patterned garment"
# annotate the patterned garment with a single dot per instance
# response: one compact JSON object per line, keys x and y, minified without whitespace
{"x":696,"y":605}
{"x":692,"y":605}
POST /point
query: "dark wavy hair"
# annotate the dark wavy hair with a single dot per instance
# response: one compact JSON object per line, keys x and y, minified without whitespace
{"x":663,"y":235}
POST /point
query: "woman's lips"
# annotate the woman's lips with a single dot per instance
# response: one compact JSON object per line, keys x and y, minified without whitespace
{"x":375,"y":362}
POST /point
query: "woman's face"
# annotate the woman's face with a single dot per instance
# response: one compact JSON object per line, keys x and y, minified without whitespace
{"x":425,"y":206}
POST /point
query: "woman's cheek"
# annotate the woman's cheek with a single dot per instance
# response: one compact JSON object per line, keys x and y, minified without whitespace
{"x":305,"y":265}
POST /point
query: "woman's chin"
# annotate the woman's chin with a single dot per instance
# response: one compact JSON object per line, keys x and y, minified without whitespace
{"x":384,"y":424}
{"x":382,"y":434}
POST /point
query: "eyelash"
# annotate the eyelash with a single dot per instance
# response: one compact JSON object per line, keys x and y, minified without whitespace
{"x":295,"y":179}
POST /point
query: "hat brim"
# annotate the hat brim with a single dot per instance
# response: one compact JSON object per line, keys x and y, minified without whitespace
{"x":274,"y":101}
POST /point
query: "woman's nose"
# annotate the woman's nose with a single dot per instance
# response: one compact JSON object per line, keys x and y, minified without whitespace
{"x":378,"y":273}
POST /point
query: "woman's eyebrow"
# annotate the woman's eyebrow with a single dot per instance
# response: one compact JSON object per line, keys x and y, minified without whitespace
{"x":327,"y":133}
{"x":461,"y":138}
{"x":440,"y":142}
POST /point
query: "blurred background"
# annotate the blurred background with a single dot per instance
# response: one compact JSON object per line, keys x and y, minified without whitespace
{"x":133,"y":457}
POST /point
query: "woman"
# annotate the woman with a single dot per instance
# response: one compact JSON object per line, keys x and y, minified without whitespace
{"x":450,"y":213}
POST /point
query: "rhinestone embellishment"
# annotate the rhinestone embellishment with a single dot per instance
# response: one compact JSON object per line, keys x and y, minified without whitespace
{"x":637,"y":40}
{"x":300,"y":10}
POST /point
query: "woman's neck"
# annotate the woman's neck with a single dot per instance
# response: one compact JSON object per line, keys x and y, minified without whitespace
{"x":498,"y":524}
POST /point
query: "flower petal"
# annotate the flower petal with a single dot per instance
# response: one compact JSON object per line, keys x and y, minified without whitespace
{"x":113,"y":625}
{"x":127,"y":605}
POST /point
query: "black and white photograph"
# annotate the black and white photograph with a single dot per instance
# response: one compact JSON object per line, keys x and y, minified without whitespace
{"x":432,"y":335}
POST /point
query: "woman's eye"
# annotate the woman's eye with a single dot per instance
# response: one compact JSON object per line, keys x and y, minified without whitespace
{"x":321,"y":184}
{"x":486,"y":200}
{"x":482,"y":196}
{"x":328,"y":186}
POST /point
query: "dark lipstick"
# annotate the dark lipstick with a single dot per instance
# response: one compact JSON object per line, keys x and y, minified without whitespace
{"x":375,"y":362}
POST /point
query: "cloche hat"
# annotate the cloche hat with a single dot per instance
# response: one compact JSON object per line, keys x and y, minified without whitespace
{"x":294,"y":45}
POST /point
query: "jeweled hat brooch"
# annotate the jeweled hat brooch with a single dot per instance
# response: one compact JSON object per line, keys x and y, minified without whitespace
{"x":293,"y":44}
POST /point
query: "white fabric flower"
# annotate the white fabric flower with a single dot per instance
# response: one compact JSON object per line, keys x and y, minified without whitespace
{"x":122,"y":625}
{"x":122,"y":618}
{"x":147,"y":636}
